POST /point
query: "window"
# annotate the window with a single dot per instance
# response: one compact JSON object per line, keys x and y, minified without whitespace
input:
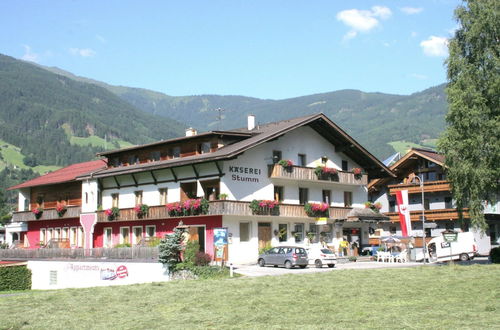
{"x":132,"y":160}
{"x":137,"y":237}
{"x":124,"y":235}
{"x":115,"y":200}
{"x":283,"y":232}
{"x":392,"y":229}
{"x":298,"y":232}
{"x":155,"y":156}
{"x":345,"y":165}
{"x":448,"y":204}
{"x":108,"y":237}
{"x":347,"y":198}
{"x":392,"y":206}
{"x":65,"y":233}
{"x":150,"y":231}
{"x":40,"y":198}
{"x":303,"y":195}
{"x":327,"y":196}
{"x":278,"y":193}
{"x":138,"y":197}
{"x":72,"y":236}
{"x":276,"y":156}
{"x":26,"y":205}
{"x":176,"y":152}
{"x":302,"y":160}
{"x":50,"y":234}
{"x":57,"y":233}
{"x":115,"y":162}
{"x":81,"y":237}
{"x":86,"y":197}
{"x":313,"y":230}
{"x":43,"y":236}
{"x":426,"y":204}
{"x":163,"y":195}
{"x":204,"y":148}
{"x":244,"y":231}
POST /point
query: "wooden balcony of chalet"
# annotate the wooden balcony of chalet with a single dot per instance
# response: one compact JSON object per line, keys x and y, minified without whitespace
{"x":224,"y":207}
{"x":430,"y":215}
{"x":431,"y":186}
{"x":48,"y":214}
{"x":301,"y":173}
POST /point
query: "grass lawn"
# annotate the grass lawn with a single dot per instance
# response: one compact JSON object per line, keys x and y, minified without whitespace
{"x":12,"y":155}
{"x":443,"y":297}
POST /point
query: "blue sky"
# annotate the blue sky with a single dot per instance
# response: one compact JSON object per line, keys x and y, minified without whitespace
{"x":266,"y":49}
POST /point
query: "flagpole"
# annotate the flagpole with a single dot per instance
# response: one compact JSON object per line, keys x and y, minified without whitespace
{"x":421,"y":182}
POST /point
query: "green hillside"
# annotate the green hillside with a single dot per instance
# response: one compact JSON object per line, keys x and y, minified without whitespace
{"x":55,"y":120}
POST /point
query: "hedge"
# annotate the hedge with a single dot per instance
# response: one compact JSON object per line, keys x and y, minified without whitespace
{"x":495,"y":255}
{"x":15,"y":278}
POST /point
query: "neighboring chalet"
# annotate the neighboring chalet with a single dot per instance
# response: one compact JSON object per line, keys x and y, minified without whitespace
{"x":230,"y":169}
{"x":438,"y":203}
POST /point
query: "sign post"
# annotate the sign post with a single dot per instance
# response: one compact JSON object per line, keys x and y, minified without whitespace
{"x":220,"y":245}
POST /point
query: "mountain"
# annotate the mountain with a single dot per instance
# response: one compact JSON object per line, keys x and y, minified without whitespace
{"x":383,"y":123}
{"x":50,"y":119}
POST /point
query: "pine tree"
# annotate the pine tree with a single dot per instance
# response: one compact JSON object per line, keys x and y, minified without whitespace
{"x":471,"y":142}
{"x":170,"y":248}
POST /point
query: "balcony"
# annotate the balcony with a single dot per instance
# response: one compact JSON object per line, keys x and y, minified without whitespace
{"x":300,"y":173}
{"x":48,"y":214}
{"x":430,"y":215}
{"x":224,"y":208}
{"x":431,"y":186}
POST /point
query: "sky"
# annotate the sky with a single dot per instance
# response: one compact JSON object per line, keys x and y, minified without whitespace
{"x":266,"y":49}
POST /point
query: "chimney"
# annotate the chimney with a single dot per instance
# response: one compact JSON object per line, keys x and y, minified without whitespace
{"x":251,"y":122}
{"x":191,"y":132}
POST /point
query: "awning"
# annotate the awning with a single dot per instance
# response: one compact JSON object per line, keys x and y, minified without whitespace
{"x":365,"y":215}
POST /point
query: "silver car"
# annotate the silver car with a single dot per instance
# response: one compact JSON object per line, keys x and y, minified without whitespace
{"x":288,"y":256}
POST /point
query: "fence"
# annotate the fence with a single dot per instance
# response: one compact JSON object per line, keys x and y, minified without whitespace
{"x":132,"y":253}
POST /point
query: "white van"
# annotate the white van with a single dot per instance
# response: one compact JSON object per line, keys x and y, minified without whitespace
{"x":463,"y":249}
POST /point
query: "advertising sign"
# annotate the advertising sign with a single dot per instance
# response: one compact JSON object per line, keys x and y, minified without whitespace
{"x":450,"y":236}
{"x":220,"y":244}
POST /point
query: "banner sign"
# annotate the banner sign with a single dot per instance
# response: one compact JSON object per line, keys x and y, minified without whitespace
{"x":220,"y":244}
{"x":404,"y":212}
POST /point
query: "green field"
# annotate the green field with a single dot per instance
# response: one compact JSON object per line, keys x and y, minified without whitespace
{"x":97,"y":141}
{"x":403,"y":146}
{"x":440,"y":297}
{"x":11,"y":155}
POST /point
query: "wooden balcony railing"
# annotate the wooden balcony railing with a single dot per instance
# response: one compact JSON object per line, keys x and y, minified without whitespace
{"x":224,"y":207}
{"x":48,"y":214}
{"x":300,"y":173}
{"x":431,"y":186}
{"x":430,"y":215}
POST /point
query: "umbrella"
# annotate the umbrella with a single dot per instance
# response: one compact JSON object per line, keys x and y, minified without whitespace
{"x":391,"y":240}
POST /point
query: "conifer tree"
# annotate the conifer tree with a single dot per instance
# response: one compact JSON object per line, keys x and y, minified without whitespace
{"x":471,"y":142}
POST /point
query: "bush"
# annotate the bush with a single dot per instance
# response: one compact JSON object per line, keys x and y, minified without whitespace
{"x":202,"y":259}
{"x":15,"y":278}
{"x":123,"y":245}
{"x":495,"y":255}
{"x":192,"y":248}
{"x":203,"y":272}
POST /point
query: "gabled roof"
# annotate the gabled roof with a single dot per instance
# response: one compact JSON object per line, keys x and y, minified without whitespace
{"x":65,"y":174}
{"x":398,"y":166}
{"x":264,"y":133}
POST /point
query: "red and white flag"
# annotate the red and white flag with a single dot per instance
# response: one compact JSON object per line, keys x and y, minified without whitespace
{"x":404,"y":212}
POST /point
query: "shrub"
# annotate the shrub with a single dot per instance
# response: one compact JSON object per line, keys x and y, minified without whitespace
{"x":170,"y":249}
{"x":203,"y":272}
{"x":192,"y":248}
{"x":123,"y":245}
{"x":15,"y":278}
{"x":265,"y":248}
{"x":202,"y":259}
{"x":495,"y":255}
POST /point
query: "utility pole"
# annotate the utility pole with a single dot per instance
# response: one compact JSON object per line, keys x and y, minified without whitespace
{"x":219,"y":117}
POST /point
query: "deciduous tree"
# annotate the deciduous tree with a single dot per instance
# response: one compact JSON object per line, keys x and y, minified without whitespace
{"x":471,"y":142}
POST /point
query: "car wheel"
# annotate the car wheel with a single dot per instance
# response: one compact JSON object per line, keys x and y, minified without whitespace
{"x":303,"y":266}
{"x":464,"y":257}
{"x":331,"y":266}
{"x":262,"y":263}
{"x":318,"y":263}
{"x":288,"y":264}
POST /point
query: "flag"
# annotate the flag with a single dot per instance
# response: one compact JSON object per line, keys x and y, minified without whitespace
{"x":404,"y":212}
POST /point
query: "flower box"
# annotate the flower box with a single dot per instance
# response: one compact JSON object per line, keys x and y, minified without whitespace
{"x":373,"y":206}
{"x":326,"y":173}
{"x":112,"y":213}
{"x":358,"y":173}
{"x":188,"y":208}
{"x":60,"y":209}
{"x":264,"y":207}
{"x":37,"y":211}
{"x":286,"y":164}
{"x":317,"y":210}
{"x":141,"y":210}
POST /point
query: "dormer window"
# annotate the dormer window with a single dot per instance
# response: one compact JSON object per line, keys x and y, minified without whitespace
{"x":176,"y":152}
{"x":115,"y":162}
{"x":276,"y":156}
{"x":204,"y":148}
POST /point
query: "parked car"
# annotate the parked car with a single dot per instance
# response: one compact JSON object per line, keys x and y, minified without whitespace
{"x":465,"y":248}
{"x":288,"y":256}
{"x":322,"y":256}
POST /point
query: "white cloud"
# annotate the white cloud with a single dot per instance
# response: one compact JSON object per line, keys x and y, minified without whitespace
{"x":435,"y":46}
{"x":411,"y":10}
{"x":362,"y":20}
{"x":101,"y":38}
{"x":29,"y":55}
{"x":83,"y":52}
{"x":418,"y":76}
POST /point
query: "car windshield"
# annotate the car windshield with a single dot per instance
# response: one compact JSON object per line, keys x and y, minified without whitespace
{"x":300,"y":251}
{"x":326,"y":251}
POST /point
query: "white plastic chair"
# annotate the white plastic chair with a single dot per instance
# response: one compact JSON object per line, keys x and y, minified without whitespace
{"x":402,"y":257}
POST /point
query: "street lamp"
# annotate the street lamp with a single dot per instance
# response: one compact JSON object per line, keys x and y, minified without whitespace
{"x":421,"y":182}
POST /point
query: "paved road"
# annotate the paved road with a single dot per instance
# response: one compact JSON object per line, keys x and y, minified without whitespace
{"x":255,"y":270}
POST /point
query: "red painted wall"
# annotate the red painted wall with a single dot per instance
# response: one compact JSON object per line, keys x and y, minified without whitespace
{"x":34,"y":228}
{"x":163,"y":227}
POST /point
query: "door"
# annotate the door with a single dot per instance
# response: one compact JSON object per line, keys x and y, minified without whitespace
{"x":264,"y":234}
{"x":188,"y":191}
{"x":197,"y":234}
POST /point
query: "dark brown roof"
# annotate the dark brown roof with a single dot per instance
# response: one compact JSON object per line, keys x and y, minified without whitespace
{"x":265,"y":133}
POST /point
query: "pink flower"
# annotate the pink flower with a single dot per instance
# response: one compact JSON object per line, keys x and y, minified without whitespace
{"x":356,"y":171}
{"x":108,"y":212}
